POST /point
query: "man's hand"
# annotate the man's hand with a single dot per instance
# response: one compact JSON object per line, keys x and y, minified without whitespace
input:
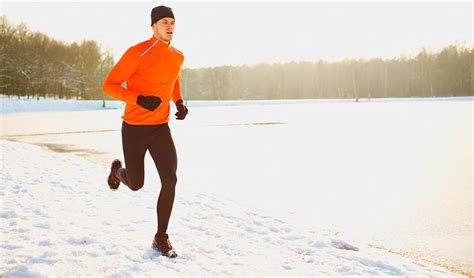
{"x":182,"y":110}
{"x":149,"y":102}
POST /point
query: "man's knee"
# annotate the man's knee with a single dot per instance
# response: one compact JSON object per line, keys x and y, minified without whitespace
{"x":173,"y":180}
{"x":169,"y":181}
{"x":136,"y":186}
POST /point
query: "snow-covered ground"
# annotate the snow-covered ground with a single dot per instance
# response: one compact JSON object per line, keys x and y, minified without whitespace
{"x":265,"y":188}
{"x":15,"y":105}
{"x":11,"y":104}
{"x":59,"y":218}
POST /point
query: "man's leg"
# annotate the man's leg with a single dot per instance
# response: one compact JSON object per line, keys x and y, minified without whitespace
{"x":163,"y":152}
{"x":135,"y":140}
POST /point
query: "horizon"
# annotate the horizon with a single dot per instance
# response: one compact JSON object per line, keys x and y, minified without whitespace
{"x":358,"y":30}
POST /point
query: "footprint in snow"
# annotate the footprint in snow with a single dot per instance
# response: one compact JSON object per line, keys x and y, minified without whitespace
{"x":80,"y":241}
{"x":339,"y":244}
{"x":42,"y":225}
{"x":44,"y":243}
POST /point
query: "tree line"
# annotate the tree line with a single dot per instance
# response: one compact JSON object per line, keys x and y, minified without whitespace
{"x":445,"y":73}
{"x":34,"y":65}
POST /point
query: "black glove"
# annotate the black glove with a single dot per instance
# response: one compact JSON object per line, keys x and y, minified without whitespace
{"x":182,"y":110}
{"x":149,"y":102}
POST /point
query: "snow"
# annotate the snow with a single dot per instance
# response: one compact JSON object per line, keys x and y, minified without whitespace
{"x":14,"y":105}
{"x":59,"y":218}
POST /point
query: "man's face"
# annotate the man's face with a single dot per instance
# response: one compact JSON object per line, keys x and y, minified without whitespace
{"x":164,"y":29}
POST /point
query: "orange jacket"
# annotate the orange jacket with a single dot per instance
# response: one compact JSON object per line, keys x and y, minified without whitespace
{"x":149,"y":68}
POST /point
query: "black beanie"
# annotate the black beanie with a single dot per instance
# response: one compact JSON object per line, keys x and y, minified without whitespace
{"x":160,"y":12}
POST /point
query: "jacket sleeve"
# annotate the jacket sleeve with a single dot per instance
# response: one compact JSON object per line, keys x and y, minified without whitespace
{"x":125,"y":67}
{"x":177,"y":91}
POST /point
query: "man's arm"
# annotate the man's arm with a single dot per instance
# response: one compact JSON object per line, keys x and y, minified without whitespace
{"x":178,"y":100}
{"x":125,"y":67}
{"x":177,"y":91}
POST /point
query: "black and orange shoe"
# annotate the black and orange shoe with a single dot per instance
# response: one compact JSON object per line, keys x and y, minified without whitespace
{"x":161,"y":243}
{"x":113,"y":180}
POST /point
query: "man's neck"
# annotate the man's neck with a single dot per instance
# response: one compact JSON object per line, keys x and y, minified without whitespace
{"x":165,"y":42}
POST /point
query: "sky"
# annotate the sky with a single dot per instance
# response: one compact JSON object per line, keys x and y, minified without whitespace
{"x":247,"y":32}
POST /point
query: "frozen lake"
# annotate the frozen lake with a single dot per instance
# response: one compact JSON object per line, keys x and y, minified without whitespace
{"x":396,"y":174}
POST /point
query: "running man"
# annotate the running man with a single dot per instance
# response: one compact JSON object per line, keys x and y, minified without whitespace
{"x":151,"y":70}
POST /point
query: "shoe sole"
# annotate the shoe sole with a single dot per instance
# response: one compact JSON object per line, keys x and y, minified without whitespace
{"x":170,"y":254}
{"x":111,"y":180}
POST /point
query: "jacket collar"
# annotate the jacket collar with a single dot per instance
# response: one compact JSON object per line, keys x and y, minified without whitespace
{"x":153,"y":39}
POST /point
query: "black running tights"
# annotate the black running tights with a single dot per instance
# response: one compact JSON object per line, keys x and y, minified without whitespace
{"x":136,"y":140}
